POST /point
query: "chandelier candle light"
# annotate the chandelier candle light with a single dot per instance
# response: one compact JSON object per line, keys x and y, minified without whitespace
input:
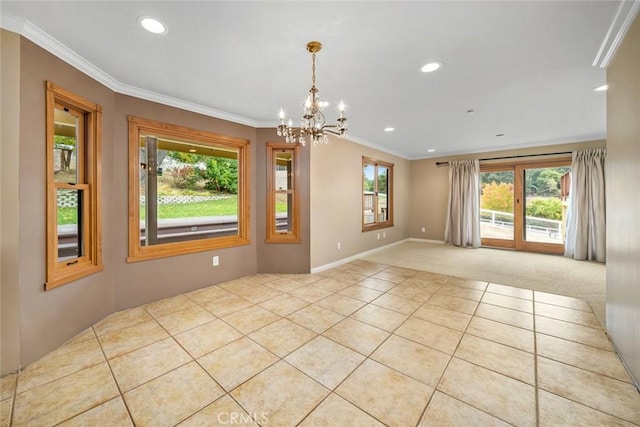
{"x":313,"y":124}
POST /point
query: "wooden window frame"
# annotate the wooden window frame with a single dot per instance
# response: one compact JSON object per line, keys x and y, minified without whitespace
{"x":273,"y":236}
{"x":378,"y":224}
{"x":519,"y":243}
{"x":89,"y":172}
{"x":137,"y":252}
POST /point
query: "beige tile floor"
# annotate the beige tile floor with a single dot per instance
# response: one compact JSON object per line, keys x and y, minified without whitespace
{"x":363,"y":344}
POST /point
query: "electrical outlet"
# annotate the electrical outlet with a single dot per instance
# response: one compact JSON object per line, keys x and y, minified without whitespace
{"x":216,"y":261}
{"x":424,"y":229}
{"x":378,"y":236}
{"x":339,"y":246}
{"x":384,"y":235}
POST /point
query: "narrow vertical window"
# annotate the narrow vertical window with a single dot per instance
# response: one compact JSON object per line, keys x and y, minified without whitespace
{"x":283,"y":214}
{"x":73,"y":187}
{"x":377,"y":194}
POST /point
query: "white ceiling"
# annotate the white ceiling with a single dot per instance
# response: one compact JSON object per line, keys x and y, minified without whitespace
{"x":524,"y":67}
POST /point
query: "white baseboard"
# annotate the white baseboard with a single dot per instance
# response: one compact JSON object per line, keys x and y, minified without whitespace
{"x":354,"y":257}
{"x":415,"y":239}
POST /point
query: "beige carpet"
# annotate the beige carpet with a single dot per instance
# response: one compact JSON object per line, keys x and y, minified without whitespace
{"x":547,"y":273}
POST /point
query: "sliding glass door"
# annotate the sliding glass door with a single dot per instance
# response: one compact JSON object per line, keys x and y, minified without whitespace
{"x":524,"y":206}
{"x":544,"y":206}
{"x":497,"y":206}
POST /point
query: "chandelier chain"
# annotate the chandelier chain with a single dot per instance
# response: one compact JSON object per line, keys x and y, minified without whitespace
{"x":313,"y":69}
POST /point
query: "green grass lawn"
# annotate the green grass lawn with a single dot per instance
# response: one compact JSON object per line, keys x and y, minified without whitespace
{"x":67,"y":215}
{"x":222,"y":207}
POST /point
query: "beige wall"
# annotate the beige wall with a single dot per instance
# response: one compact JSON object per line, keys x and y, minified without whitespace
{"x":281,"y":257}
{"x":430,"y":185}
{"x":9,"y":209}
{"x":623,"y":200}
{"x":336,"y":201}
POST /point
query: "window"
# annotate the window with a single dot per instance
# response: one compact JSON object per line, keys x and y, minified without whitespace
{"x":377,"y":194}
{"x":524,"y":205}
{"x":74,"y":246}
{"x":188,"y":190}
{"x":283,"y":213}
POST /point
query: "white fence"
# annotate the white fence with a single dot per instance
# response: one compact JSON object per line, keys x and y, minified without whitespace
{"x":69,"y":199}
{"x":550,"y":228}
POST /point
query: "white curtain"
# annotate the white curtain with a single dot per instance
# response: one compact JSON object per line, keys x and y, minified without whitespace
{"x":463,"y":215}
{"x":586,"y":236}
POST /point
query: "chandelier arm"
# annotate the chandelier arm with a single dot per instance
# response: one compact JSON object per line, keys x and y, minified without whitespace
{"x":331,"y":131}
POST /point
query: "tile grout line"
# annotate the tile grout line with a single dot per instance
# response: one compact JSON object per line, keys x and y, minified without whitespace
{"x":331,"y":391}
{"x":535,"y":359}
{"x":435,"y":388}
{"x":600,"y":411}
{"x":14,"y":396}
{"x":365,"y":358}
{"x":228,"y":393}
{"x":121,"y":394}
{"x":453,"y":356}
{"x":194,"y":360}
{"x":154,"y":378}
{"x":424,"y":411}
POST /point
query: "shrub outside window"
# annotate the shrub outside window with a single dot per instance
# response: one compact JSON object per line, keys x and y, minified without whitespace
{"x":188,"y":190}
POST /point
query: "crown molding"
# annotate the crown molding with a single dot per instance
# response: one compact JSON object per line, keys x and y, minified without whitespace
{"x":623,"y":19}
{"x":170,"y":101}
{"x":361,"y":141}
{"x":61,"y":51}
{"x":349,"y":137}
{"x":11,"y":23}
{"x":66,"y":54}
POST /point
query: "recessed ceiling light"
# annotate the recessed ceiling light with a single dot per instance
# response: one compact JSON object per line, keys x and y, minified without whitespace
{"x":431,"y":67}
{"x":430,"y":150}
{"x":389,"y":129}
{"x":601,"y":88}
{"x":153,"y":25}
{"x":193,"y":150}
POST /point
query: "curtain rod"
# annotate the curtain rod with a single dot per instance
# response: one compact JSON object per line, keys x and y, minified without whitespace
{"x":514,"y":157}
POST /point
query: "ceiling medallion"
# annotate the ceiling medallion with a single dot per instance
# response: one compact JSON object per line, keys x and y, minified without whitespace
{"x":313,"y":126}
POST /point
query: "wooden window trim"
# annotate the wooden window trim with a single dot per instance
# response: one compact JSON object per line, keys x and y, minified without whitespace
{"x":272,"y":235}
{"x":518,"y":168}
{"x":138,"y":125}
{"x":389,"y":222}
{"x":90,"y":177}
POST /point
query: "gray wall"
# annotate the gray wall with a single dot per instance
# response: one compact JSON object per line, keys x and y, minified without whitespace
{"x":9,"y":208}
{"x":623,"y":200}
{"x":281,"y":257}
{"x":35,"y":322}
{"x":47,"y":319}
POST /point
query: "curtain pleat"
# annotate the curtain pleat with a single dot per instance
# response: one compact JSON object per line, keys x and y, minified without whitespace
{"x":586,"y":215}
{"x":463,"y":215}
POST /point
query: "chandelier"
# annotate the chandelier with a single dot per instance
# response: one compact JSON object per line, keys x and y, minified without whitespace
{"x":313,"y":127}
